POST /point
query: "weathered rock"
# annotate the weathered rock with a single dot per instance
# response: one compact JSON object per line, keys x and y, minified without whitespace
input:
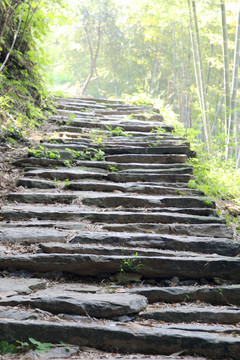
{"x":31,"y":235}
{"x":63,"y":174}
{"x":146,"y":340}
{"x":215,"y":230}
{"x":206,"y":266}
{"x":188,"y":314}
{"x":15,"y":314}
{"x":53,"y":248}
{"x":180,"y":149}
{"x":169,"y":178}
{"x":127,"y":201}
{"x":148,"y":158}
{"x":72,"y":212}
{"x":215,"y":295}
{"x":44,"y":198}
{"x":131,"y":188}
{"x":133,"y":125}
{"x":170,"y":242}
{"x":67,"y":302}
{"x":13,"y":286}
{"x":36,"y":183}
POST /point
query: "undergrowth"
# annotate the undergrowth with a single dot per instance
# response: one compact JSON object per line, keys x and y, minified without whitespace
{"x":216,"y":177}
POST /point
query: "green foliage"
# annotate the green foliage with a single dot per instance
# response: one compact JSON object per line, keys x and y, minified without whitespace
{"x":88,"y":154}
{"x":6,"y":348}
{"x":215,"y":176}
{"x":23,"y":347}
{"x":23,"y":97}
{"x":68,"y":163}
{"x":67,"y":182}
{"x":113,"y":168}
{"x":40,"y":347}
{"x":117,"y":131}
{"x":208,"y":203}
{"x":131,"y":265}
{"x":42,"y":152}
{"x":98,"y":140}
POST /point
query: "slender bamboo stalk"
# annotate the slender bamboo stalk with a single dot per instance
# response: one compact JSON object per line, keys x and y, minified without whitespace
{"x":205,"y":115}
{"x":235,"y":81}
{"x":226,"y":76}
{"x":194,"y":51}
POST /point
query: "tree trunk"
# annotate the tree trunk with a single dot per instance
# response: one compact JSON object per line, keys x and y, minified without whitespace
{"x":93,"y":57}
{"x":14,"y":39}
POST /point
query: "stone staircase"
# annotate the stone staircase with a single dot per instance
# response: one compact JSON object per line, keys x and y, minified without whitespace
{"x":105,"y":246}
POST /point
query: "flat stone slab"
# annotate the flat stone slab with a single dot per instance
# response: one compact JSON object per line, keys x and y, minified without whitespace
{"x":41,"y":198}
{"x":190,"y":313}
{"x":133,"y":125}
{"x":214,"y":230}
{"x":148,"y":177}
{"x":73,"y":212}
{"x":133,"y":339}
{"x":128,"y":201}
{"x":179,"y":149}
{"x":15,"y":314}
{"x":14,"y":286}
{"x":148,"y":158}
{"x":54,"y":248}
{"x":32,"y":235}
{"x":131,"y":187}
{"x":215,"y":295}
{"x":36,"y":183}
{"x":76,"y":303}
{"x":164,"y":242}
{"x":203,"y":266}
{"x":63,"y":174}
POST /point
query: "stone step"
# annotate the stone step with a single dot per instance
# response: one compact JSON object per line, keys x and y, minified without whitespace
{"x":214,"y":230}
{"x":151,"y":203}
{"x":80,"y":105}
{"x":99,"y":174}
{"x":210,"y":342}
{"x":97,"y":249}
{"x":131,"y":188}
{"x":91,"y":100}
{"x":204,"y":244}
{"x":147,"y":158}
{"x":29,"y":235}
{"x":170,"y":170}
{"x":75,"y":136}
{"x":126,"y":201}
{"x":166,"y":177}
{"x":70,"y":174}
{"x":60,"y":301}
{"x":42,"y":162}
{"x":94,"y":185}
{"x":36,"y":183}
{"x":160,"y":150}
{"x":73,"y":212}
{"x":157,"y":267}
{"x":192,"y":313}
{"x":136,"y":242}
{"x":128,"y":125}
{"x":44,"y":198}
{"x":128,"y":149}
{"x":214,"y":295}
